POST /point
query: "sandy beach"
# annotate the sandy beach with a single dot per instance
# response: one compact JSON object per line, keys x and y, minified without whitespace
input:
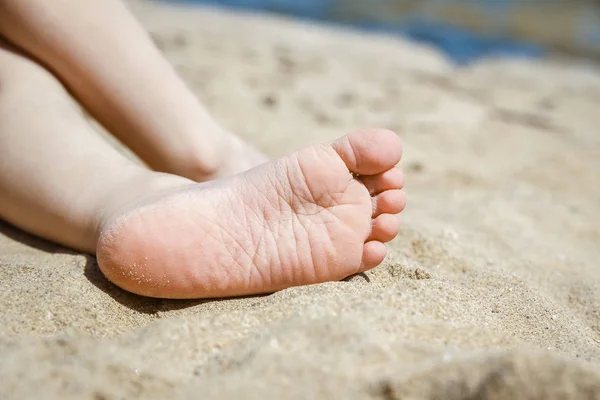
{"x":491,"y":291}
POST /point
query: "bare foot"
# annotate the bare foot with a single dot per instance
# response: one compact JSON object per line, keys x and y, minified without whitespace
{"x":320,"y":214}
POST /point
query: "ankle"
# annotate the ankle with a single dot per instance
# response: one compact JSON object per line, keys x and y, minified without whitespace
{"x":199,"y":165}
{"x":195,"y":156}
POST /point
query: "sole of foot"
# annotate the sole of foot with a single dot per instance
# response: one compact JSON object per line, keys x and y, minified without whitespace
{"x":320,"y":214}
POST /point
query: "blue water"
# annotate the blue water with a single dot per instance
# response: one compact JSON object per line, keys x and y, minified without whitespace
{"x":458,"y":44}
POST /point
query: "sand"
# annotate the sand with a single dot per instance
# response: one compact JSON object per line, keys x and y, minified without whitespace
{"x":491,"y":291}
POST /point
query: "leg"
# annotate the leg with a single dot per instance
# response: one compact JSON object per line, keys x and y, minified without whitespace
{"x":320,"y":214}
{"x":57,"y":177}
{"x":118,"y":74}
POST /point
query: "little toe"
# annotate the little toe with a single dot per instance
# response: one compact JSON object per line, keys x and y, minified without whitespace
{"x":388,"y":180}
{"x":389,"y":202}
{"x":369,"y":152}
{"x":373,"y":254}
{"x":384,"y":228}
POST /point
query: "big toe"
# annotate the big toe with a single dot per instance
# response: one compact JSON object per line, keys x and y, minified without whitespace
{"x":369,"y":152}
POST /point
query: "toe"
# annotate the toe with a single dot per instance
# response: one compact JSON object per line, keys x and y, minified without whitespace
{"x":369,"y":152}
{"x":389,"y":202}
{"x":373,"y":255}
{"x":384,"y":228}
{"x":388,"y":180}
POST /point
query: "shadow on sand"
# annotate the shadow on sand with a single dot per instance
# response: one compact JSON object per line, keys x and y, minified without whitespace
{"x":93,"y":274}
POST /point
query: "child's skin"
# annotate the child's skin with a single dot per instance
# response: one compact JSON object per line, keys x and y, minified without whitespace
{"x":320,"y":214}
